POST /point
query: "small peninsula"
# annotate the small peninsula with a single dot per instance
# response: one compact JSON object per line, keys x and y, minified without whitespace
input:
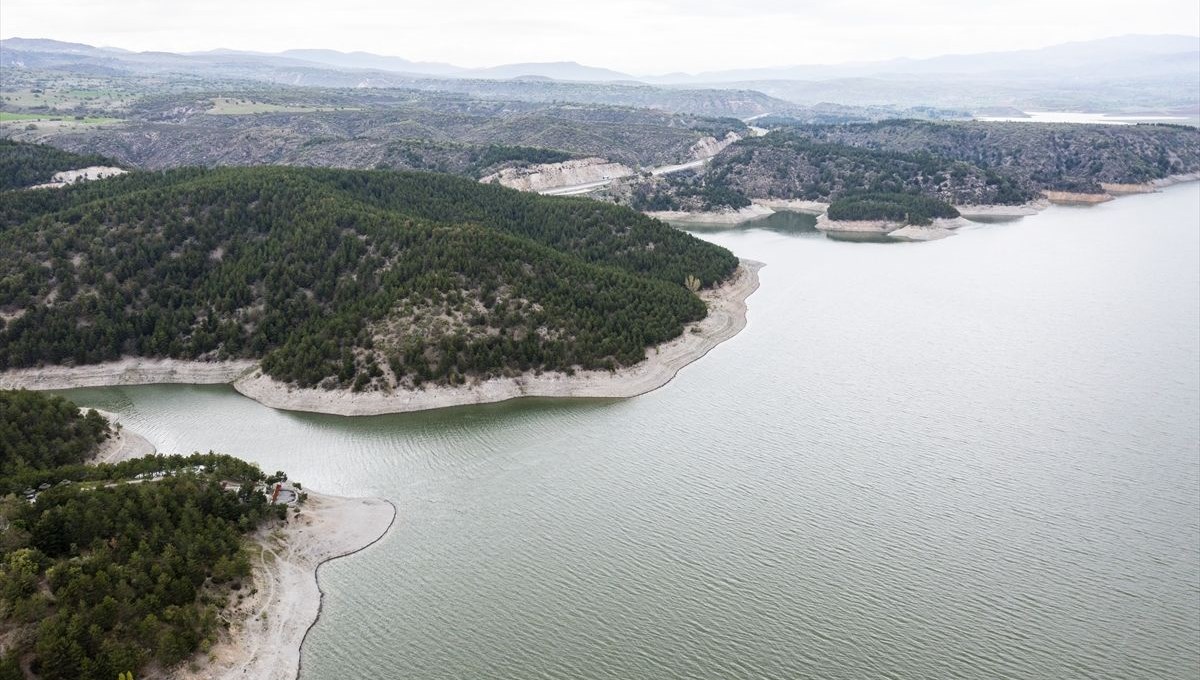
{"x":411,"y":289}
{"x":217,"y":579}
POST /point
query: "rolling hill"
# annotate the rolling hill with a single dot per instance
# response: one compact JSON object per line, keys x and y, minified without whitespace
{"x":342,"y":279}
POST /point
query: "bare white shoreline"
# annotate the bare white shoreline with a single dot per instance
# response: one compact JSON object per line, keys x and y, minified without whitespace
{"x":267,"y":629}
{"x":716,"y":217}
{"x":128,"y":371}
{"x":270,"y":626}
{"x":763,"y":207}
{"x":726,"y":317}
{"x":125,"y":444}
{"x":940,"y":228}
{"x":1000,"y":211}
{"x":793,"y":205}
{"x":758,"y":209}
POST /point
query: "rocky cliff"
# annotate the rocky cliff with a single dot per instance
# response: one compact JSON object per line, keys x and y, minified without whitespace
{"x":708,"y":147}
{"x":554,"y":175}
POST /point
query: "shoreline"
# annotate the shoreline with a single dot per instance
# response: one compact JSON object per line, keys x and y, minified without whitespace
{"x":940,"y":228}
{"x":125,"y":445}
{"x":266,"y":638}
{"x":127,"y":371}
{"x":987,"y":211}
{"x":267,"y":631}
{"x":751,"y":212}
{"x":764,"y":207}
{"x":758,"y":209}
{"x":317,"y":578}
{"x":1114,"y":190}
{"x":726,"y":318}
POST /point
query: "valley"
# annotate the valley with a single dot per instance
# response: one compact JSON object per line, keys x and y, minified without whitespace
{"x":601,"y":372}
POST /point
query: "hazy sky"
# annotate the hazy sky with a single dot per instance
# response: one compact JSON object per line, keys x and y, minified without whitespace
{"x":636,"y":36}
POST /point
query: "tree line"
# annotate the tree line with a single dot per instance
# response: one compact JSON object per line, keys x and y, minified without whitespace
{"x":907,"y":208}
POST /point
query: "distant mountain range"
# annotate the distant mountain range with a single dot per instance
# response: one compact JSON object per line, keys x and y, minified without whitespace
{"x":1129,"y":56}
{"x":1148,"y":52}
{"x":353,"y":61}
{"x":1133,"y":73}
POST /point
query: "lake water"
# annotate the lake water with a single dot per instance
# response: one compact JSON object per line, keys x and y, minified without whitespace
{"x":970,"y":458}
{"x":1092,"y":118}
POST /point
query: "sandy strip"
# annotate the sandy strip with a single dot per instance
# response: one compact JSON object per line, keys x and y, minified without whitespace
{"x":726,"y":317}
{"x":722,"y":217}
{"x":270,"y":626}
{"x":793,"y":205}
{"x":916,"y":233}
{"x":1113,"y":190}
{"x":763,"y":207}
{"x":127,"y":371}
{"x":998,"y":211}
{"x":125,"y":444}
{"x":940,"y":228}
{"x":1075,"y":198}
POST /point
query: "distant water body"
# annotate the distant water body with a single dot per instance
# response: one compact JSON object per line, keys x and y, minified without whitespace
{"x":1094,"y":118}
{"x":971,"y":458}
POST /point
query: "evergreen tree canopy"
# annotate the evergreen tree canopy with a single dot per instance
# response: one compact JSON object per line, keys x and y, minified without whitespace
{"x":363,"y":279}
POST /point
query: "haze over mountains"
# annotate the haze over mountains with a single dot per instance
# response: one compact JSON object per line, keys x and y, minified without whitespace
{"x":1125,"y":55}
{"x":1133,"y":73}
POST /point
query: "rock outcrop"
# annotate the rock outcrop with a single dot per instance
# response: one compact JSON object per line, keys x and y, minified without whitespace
{"x":555,"y":175}
{"x":62,"y":179}
{"x":708,"y":147}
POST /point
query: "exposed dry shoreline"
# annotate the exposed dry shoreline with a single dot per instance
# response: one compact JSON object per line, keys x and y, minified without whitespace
{"x":764,"y":207}
{"x":999,"y":211}
{"x":898,"y":231}
{"x":716,"y":217}
{"x":1115,"y":190}
{"x":124,"y":445}
{"x":726,"y":317}
{"x":759,"y":209}
{"x":1075,"y":197}
{"x":128,"y":371}
{"x":270,"y":627}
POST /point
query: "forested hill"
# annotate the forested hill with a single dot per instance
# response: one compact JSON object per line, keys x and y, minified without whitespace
{"x":963,"y":163}
{"x":99,"y":576}
{"x":38,"y":432}
{"x":340,"y":278}
{"x":23,"y":165}
{"x":787,"y":165}
{"x":1039,"y":156}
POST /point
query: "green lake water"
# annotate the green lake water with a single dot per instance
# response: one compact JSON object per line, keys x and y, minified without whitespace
{"x":970,"y":458}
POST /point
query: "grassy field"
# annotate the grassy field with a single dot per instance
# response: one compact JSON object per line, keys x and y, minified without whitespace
{"x":236,"y":107}
{"x":7,"y":116}
{"x":64,"y":98}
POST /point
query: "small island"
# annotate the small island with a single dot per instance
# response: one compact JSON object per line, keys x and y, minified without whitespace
{"x":901,"y":217}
